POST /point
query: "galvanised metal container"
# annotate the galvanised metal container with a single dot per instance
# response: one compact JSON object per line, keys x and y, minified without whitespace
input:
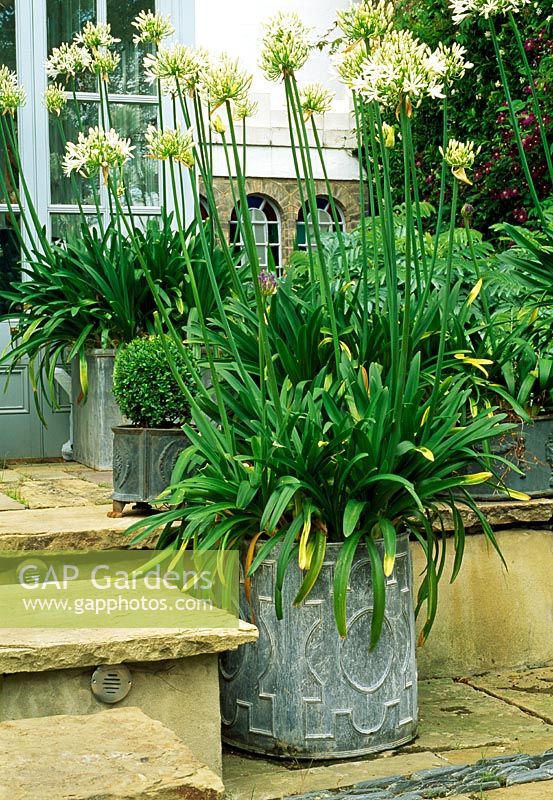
{"x":303,"y":692}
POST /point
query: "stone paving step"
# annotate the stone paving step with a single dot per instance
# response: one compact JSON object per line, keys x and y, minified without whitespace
{"x":77,"y":528}
{"x":120,"y":754}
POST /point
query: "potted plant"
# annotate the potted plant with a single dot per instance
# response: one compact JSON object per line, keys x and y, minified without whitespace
{"x":148,"y":394}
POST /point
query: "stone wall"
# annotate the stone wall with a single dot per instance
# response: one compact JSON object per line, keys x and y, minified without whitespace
{"x":284,"y":194}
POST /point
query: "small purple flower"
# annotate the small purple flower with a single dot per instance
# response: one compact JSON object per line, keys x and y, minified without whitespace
{"x":267,"y":283}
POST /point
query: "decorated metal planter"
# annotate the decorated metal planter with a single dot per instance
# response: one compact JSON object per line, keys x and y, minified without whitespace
{"x":303,"y":692}
{"x":143,"y":461}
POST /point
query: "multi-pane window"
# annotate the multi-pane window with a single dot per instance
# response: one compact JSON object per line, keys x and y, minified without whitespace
{"x":132,"y":107}
{"x":325,"y":219}
{"x":266,"y":230}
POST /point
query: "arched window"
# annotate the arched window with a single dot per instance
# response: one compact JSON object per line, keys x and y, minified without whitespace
{"x":266,"y":230}
{"x":325,"y":218}
{"x":204,"y":208}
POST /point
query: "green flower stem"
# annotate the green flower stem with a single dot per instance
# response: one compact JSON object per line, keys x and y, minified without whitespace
{"x":361,"y":137}
{"x":331,"y":201}
{"x":515,"y":125}
{"x":484,"y":293}
{"x":93,"y":186}
{"x":169,"y":325}
{"x":295,"y":104}
{"x":9,"y":135}
{"x":409,"y":230}
{"x":420,"y":252}
{"x":207,"y":178}
{"x":535,"y":99}
{"x":31,"y":232}
{"x":391,"y":262}
{"x":436,"y":389}
{"x":105,"y":124}
{"x":12,"y":213}
{"x":181,"y":177}
{"x":160,"y":112}
{"x":74,"y":184}
{"x":443,"y":182}
{"x":253,"y":258}
{"x":303,"y":202}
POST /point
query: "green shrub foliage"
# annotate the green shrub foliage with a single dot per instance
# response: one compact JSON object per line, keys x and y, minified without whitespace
{"x":144,"y":385}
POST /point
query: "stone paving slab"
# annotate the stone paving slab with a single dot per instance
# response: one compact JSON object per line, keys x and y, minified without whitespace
{"x":42,"y":472}
{"x":120,"y":754}
{"x":63,"y":492}
{"x":7,"y":503}
{"x":10,"y":476}
{"x":531,"y":691}
{"x":78,"y":528}
{"x":454,"y":716}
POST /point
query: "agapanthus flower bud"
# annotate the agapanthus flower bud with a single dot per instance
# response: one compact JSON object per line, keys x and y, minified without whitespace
{"x":467,"y":212}
{"x":366,"y":20}
{"x":267,"y":283}
{"x":171,"y":144}
{"x":96,"y":35}
{"x":67,"y":61}
{"x":218,"y":125}
{"x":286,"y":46}
{"x":460,"y":156}
{"x":243,"y":109}
{"x":97,"y":151}
{"x":12,"y":95}
{"x":104,"y":62}
{"x":315,"y":99}
{"x":55,"y":98}
{"x":152,"y":28}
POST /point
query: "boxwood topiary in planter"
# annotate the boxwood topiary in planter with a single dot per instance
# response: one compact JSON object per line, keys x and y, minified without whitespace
{"x":148,"y":394}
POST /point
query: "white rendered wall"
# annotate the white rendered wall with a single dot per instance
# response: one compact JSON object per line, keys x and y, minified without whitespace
{"x":237,"y":29}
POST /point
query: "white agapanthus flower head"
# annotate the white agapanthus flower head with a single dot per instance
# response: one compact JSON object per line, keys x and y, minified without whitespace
{"x":12,"y":95}
{"x":171,"y":144}
{"x":68,"y":61}
{"x":349,"y":64}
{"x":96,"y":35}
{"x":152,"y":28}
{"x":55,"y":98}
{"x":97,"y":151}
{"x":104,"y":62}
{"x":177,"y":66}
{"x":225,"y":82}
{"x":460,"y":156}
{"x":315,"y":99}
{"x":366,"y":20}
{"x":401,"y":72}
{"x":463,"y":9}
{"x":286,"y":46}
{"x":453,"y":59}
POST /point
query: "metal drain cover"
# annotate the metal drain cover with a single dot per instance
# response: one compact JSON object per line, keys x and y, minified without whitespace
{"x":110,"y":684}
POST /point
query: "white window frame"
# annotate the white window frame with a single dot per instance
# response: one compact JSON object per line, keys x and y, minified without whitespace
{"x":326,"y":221}
{"x":260,"y":223}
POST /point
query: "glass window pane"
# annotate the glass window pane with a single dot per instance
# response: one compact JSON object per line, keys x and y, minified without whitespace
{"x":73,"y":119}
{"x":66,"y":226}
{"x":260,"y":233}
{"x":7,"y":33}
{"x":131,"y":120}
{"x":129,"y":77}
{"x":65,"y":18}
{"x":9,"y":257}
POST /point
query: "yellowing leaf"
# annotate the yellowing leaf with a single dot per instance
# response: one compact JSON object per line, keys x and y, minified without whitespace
{"x":425,"y":416}
{"x":475,"y":292}
{"x":424,"y":451}
{"x":516,"y":495}
{"x":477,"y":477}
